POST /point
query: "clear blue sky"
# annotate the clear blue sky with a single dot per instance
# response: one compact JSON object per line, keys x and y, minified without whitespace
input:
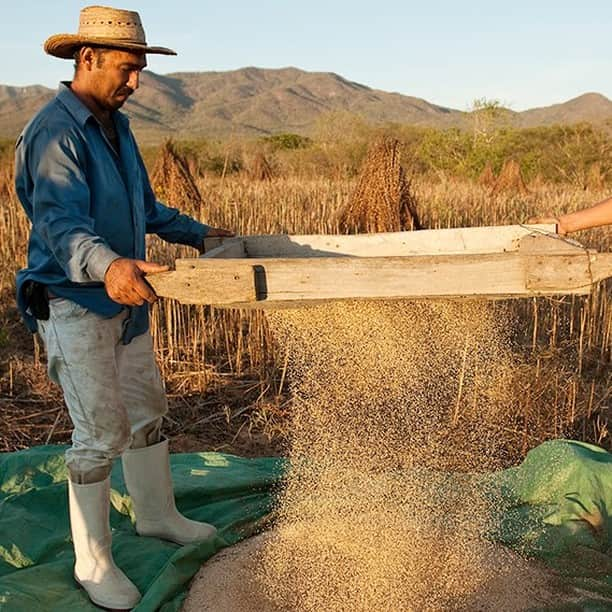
{"x":524,"y":53}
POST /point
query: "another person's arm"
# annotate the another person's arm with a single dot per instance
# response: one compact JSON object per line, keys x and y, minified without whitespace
{"x":597,"y":215}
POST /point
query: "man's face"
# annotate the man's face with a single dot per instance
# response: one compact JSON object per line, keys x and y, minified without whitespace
{"x":114,"y":77}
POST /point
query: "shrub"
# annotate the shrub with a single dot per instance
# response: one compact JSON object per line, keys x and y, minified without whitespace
{"x":288,"y":141}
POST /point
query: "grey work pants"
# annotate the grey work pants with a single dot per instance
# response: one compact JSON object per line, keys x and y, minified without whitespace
{"x":114,"y":392}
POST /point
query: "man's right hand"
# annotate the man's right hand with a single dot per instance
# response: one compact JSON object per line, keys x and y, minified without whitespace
{"x":124,"y":281}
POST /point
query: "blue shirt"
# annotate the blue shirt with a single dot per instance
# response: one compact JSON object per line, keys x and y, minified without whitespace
{"x":88,"y":206}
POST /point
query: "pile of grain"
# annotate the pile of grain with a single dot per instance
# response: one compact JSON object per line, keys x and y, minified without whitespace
{"x":395,"y":405}
{"x":230,"y":582}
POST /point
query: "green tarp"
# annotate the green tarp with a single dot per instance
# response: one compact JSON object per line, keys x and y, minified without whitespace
{"x":557,"y":505}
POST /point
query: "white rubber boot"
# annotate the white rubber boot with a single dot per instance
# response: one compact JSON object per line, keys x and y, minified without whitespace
{"x":95,"y":570}
{"x":147,"y":476}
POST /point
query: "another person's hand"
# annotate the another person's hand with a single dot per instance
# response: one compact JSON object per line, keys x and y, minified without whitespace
{"x":549,"y":220}
{"x":595,"y":216}
{"x":124,"y":281}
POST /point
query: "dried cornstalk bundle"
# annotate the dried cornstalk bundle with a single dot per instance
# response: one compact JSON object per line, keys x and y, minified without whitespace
{"x":260,"y":169}
{"x":194,"y":167}
{"x":173,"y":181}
{"x":537,"y":183}
{"x":487,"y":176}
{"x":510,"y":179}
{"x":595,"y":179}
{"x":382,"y":200}
{"x":7,"y":177}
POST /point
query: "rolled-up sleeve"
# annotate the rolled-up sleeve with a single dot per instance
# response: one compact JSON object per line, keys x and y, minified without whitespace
{"x":61,"y":207}
{"x":169,"y":223}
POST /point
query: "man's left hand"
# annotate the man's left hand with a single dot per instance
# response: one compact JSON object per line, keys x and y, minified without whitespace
{"x":216,"y":232}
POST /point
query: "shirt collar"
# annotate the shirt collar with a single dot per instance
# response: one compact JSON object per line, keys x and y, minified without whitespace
{"x":74,"y":106}
{"x":78,"y":110}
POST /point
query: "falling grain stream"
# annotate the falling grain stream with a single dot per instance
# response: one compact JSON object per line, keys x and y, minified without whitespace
{"x":396,"y":406}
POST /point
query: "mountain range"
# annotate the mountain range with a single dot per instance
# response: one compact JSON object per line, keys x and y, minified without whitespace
{"x":259,"y":101}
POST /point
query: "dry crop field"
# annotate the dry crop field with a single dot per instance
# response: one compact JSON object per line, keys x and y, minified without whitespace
{"x":227,"y":378}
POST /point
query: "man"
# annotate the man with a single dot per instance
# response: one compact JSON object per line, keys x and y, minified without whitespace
{"x":82,"y":182}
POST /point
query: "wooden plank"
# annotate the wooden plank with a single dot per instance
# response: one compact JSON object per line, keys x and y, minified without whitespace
{"x":423,"y":242}
{"x":226,"y":248}
{"x":548,"y":274}
{"x":191,"y":285}
{"x":548,"y":243}
{"x":601,"y":266}
{"x":331,"y":278}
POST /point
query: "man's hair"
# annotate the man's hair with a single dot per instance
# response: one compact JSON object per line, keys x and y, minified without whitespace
{"x":100,"y":52}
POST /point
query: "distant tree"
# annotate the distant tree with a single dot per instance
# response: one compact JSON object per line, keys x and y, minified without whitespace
{"x":487,"y":116}
{"x":581,"y":151}
{"x":288,"y":141}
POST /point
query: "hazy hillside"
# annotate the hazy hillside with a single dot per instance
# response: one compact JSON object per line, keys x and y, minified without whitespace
{"x":591,"y":107}
{"x":259,"y":101}
{"x":18,"y":104}
{"x":264,"y":101}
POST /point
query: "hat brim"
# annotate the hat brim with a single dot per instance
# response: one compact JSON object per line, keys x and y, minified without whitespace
{"x":64,"y":45}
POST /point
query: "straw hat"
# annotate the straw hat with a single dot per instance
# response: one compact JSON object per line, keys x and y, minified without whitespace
{"x":107,"y":27}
